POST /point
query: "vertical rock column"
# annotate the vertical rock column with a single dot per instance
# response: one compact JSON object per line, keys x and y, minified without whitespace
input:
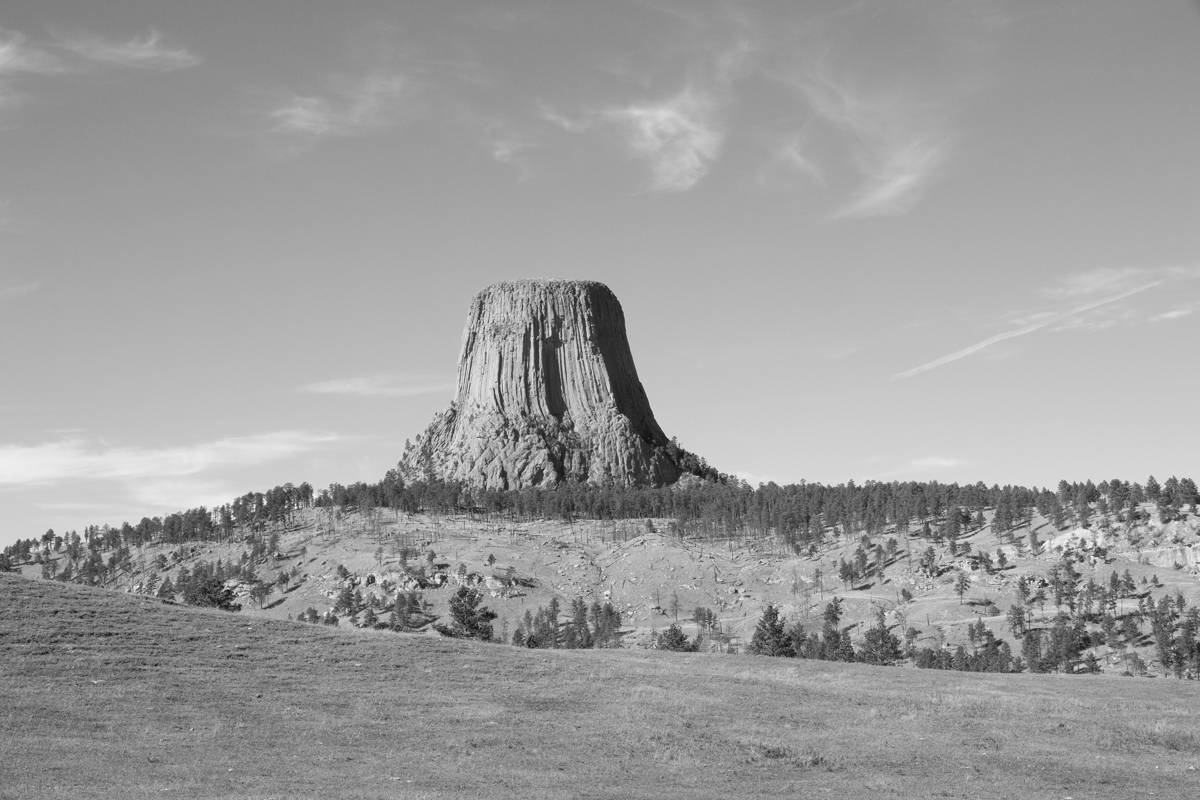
{"x":547,"y":392}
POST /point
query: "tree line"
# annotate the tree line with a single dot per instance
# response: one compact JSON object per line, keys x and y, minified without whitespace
{"x":800,"y":515}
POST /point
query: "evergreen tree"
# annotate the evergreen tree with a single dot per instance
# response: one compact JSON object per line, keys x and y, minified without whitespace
{"x":673,"y":638}
{"x":468,"y":618}
{"x":259,"y":593}
{"x":1016,"y":621}
{"x":606,"y":624}
{"x":211,"y":593}
{"x":1153,"y":490}
{"x":577,"y":628}
{"x":831,"y":632}
{"x":345,"y":601}
{"x":880,"y":645}
{"x":961,"y":584}
{"x":408,"y":612}
{"x":770,"y":638}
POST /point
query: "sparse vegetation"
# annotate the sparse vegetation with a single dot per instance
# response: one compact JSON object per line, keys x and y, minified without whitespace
{"x":167,"y":700}
{"x":898,"y":549}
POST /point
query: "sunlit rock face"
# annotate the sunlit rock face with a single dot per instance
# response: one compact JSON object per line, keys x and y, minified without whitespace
{"x":547,"y":393}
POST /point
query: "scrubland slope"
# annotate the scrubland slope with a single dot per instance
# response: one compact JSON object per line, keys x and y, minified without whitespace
{"x":109,"y":695}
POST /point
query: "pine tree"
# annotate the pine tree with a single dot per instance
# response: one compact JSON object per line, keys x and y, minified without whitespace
{"x":578,"y":628}
{"x":831,"y":633}
{"x":961,"y":584}
{"x":1153,"y":490}
{"x":345,"y":601}
{"x":673,"y":638}
{"x":211,"y":593}
{"x":880,"y":646}
{"x":468,"y":618}
{"x":1016,"y":620}
{"x":770,"y":638}
{"x":259,"y":593}
{"x":553,"y":634}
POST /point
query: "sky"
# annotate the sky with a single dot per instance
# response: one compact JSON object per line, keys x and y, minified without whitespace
{"x":951,"y":240}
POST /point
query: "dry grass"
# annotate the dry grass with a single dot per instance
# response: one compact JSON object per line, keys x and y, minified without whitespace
{"x":109,"y":695}
{"x":649,"y":576}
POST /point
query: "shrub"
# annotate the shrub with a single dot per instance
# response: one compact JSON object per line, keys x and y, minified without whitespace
{"x":210,"y":593}
{"x":673,"y":638}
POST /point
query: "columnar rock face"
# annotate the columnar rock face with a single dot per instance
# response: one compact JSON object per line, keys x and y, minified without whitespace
{"x":547,"y":393}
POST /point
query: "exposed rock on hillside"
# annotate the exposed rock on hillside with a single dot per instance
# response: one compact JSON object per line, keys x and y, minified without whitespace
{"x":547,"y":393}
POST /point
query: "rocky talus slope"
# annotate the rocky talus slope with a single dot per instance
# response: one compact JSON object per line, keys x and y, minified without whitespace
{"x":547,"y":393}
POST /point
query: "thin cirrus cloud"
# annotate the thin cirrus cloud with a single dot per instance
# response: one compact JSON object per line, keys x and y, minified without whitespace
{"x":380,"y":386}
{"x":895,"y":177}
{"x":147,"y":51}
{"x":680,"y":137}
{"x":19,"y":290}
{"x":19,"y":56}
{"x":368,"y":104}
{"x":1104,"y":280}
{"x":80,"y":52}
{"x":1173,"y":314}
{"x":1048,"y":319}
{"x":183,"y":492}
{"x":793,"y":154}
{"x":76,"y":459}
{"x":935,"y":462}
{"x":894,"y":144}
{"x":511,"y":148}
{"x":146,"y":495}
{"x":1112,"y":281}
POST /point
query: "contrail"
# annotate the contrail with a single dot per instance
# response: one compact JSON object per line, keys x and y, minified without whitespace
{"x":1013,"y":334}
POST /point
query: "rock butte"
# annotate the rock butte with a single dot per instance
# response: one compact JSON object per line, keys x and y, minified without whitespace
{"x":547,"y":393}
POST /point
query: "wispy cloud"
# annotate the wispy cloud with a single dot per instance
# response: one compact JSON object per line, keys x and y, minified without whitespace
{"x":85,"y":506}
{"x":511,"y":148}
{"x":380,"y":386}
{"x":19,"y":290}
{"x":147,"y":51}
{"x":568,"y":123}
{"x":757,"y":478}
{"x":902,"y":469}
{"x":935,"y":462}
{"x":1173,"y":314}
{"x":680,"y":133}
{"x":182,"y":492}
{"x":895,"y":143}
{"x":792,"y":156}
{"x":1104,"y":280}
{"x":679,"y":137}
{"x":79,"y":53}
{"x":366,"y":105}
{"x":18,"y":56}
{"x":77,"y":459}
{"x":894,"y":177}
{"x":506,"y":147}
{"x":1040,"y":321}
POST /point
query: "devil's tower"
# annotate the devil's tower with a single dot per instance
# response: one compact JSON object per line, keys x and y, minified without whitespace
{"x":547,"y":393}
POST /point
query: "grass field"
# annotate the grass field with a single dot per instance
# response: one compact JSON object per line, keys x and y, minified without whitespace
{"x":111,"y":695}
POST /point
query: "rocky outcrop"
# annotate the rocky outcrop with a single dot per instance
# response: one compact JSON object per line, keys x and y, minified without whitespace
{"x":547,"y":393}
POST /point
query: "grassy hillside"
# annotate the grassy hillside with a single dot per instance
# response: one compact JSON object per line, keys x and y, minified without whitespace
{"x":654,"y":578}
{"x":113,"y":695}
